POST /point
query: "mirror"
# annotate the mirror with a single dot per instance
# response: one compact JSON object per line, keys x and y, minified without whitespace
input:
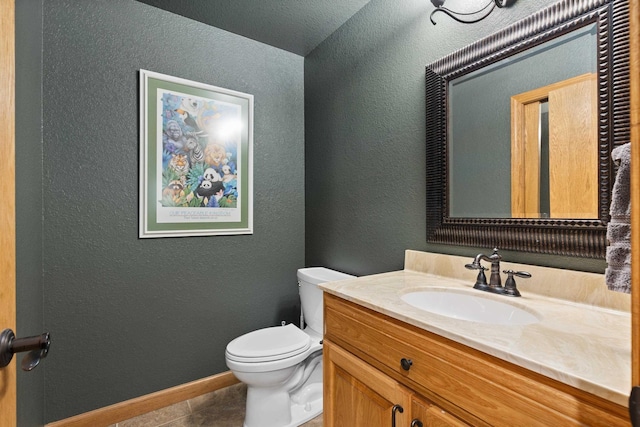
{"x":481,"y":136}
{"x":520,"y":126}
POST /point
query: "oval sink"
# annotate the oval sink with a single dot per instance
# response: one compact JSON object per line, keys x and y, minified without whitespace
{"x":467,"y":306}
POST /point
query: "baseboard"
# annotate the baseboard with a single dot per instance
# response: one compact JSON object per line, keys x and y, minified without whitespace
{"x":150,"y":402}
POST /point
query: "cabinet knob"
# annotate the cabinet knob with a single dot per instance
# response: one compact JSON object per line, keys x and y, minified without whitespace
{"x":406,"y":364}
{"x":416,"y":423}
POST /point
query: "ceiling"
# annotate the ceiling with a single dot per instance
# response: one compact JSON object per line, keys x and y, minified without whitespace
{"x":297,"y":26}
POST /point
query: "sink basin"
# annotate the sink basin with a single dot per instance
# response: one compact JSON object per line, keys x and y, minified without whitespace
{"x":474,"y":307}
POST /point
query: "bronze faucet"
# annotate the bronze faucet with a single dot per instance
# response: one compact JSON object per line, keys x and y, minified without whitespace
{"x":495,"y":281}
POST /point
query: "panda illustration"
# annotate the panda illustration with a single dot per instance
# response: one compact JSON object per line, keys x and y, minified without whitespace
{"x":210,"y":174}
{"x":204,"y":191}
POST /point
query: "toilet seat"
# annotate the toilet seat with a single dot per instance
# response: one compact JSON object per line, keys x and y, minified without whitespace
{"x":269,"y":345}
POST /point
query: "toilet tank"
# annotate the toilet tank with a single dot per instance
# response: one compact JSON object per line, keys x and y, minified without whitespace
{"x":311,"y":295}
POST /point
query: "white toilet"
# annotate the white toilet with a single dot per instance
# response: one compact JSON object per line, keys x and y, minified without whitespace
{"x":282,"y":365}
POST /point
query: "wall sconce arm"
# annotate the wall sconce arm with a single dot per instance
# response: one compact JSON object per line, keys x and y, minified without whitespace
{"x":459,"y":16}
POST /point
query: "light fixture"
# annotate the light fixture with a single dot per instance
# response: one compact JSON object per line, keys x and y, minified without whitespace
{"x":467,"y":17}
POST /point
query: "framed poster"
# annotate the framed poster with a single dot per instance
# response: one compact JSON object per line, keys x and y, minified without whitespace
{"x":196,"y":158}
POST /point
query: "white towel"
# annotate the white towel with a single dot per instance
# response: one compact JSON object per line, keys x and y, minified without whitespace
{"x":618,"y":271}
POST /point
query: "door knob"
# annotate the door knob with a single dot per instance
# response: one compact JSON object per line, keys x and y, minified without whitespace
{"x":37,"y":346}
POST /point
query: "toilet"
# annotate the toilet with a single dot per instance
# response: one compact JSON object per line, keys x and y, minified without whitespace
{"x":282,"y":365}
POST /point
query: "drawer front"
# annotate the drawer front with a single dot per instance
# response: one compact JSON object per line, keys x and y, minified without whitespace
{"x":453,"y":375}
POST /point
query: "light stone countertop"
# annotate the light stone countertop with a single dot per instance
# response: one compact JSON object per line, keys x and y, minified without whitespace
{"x":585,"y":346}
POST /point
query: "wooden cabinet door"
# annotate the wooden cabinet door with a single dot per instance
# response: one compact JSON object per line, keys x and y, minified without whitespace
{"x":429,"y":415}
{"x":356,"y":394}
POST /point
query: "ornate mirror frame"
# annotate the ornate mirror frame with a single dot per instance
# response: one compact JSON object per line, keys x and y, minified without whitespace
{"x":581,"y":238}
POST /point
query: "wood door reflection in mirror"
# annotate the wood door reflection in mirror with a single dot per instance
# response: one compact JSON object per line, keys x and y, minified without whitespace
{"x":554,"y":150}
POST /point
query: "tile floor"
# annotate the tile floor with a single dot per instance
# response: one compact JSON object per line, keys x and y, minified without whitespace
{"x":221,"y":408}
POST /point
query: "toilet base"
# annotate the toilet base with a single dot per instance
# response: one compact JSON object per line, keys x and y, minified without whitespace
{"x":300,"y":414}
{"x":271,"y":407}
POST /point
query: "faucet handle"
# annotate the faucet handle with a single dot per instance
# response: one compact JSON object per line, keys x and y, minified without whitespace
{"x":510,"y":288}
{"x":481,"y":280}
{"x":523,"y":274}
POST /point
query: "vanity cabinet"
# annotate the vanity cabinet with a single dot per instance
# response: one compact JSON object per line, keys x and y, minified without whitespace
{"x":360,"y":395}
{"x":374,"y":362}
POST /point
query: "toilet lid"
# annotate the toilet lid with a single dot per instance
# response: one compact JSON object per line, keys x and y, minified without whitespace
{"x":268,"y":344}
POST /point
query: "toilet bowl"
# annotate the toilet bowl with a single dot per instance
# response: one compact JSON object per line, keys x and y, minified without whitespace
{"x":282,"y":365}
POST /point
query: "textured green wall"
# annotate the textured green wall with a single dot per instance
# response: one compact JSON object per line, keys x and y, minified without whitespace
{"x":131,"y":316}
{"x":29,"y":224}
{"x":365,"y":135}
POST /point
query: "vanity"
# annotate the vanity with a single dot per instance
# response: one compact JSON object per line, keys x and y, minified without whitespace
{"x":390,"y":363}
